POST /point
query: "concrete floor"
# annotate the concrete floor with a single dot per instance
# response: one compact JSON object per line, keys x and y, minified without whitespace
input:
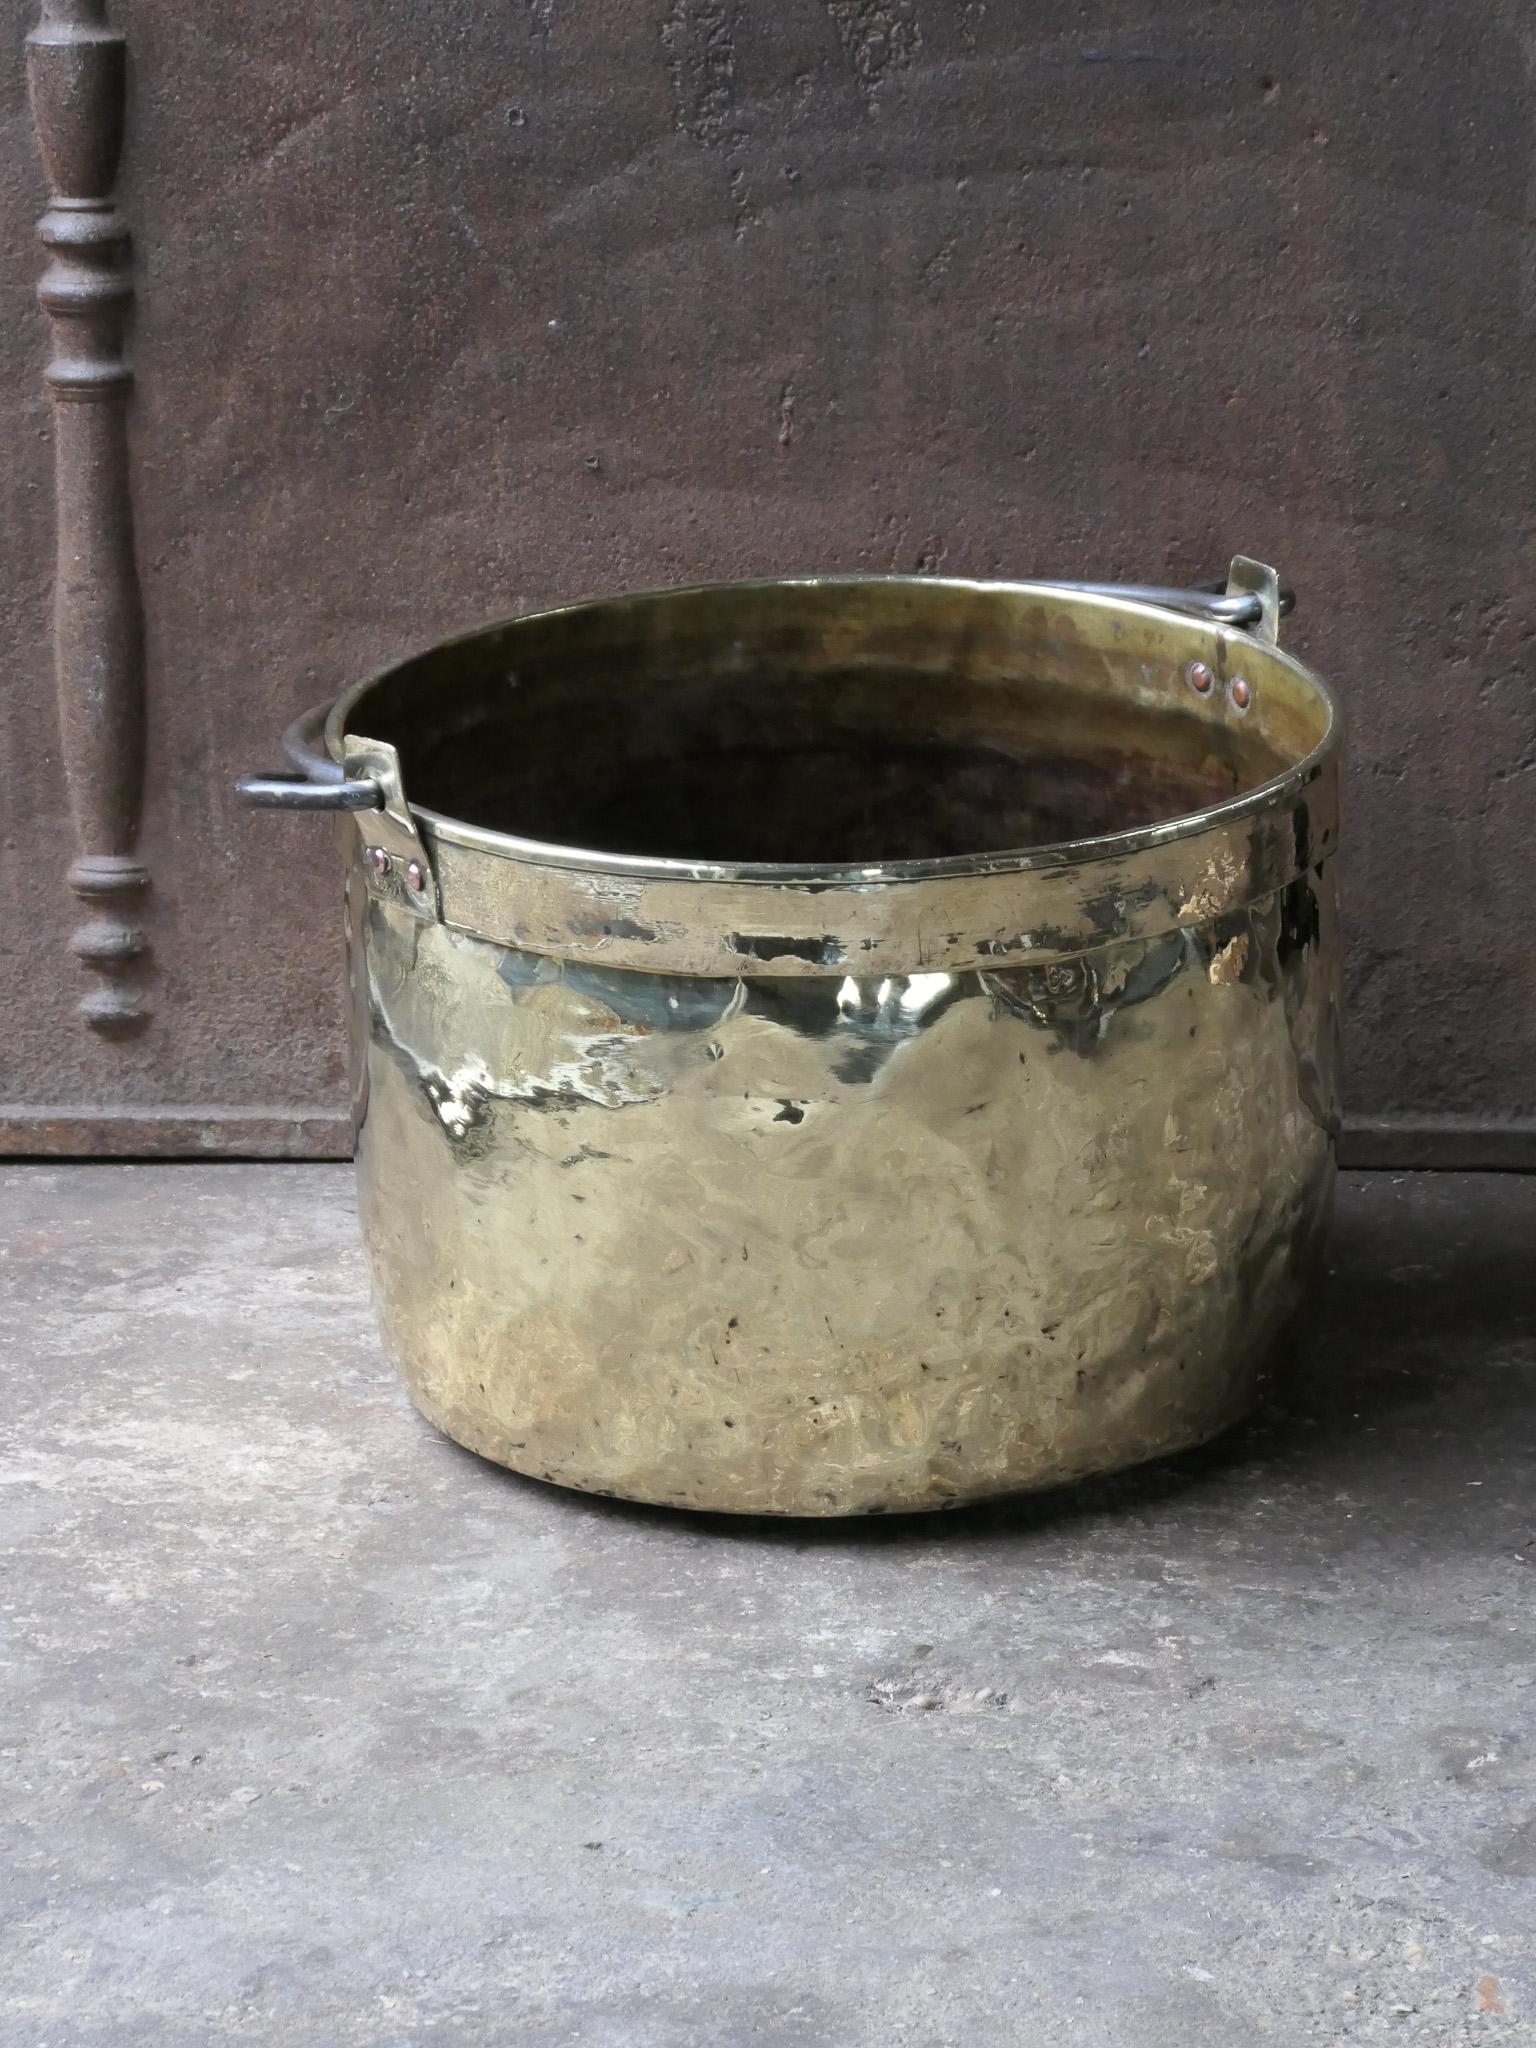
{"x":318,"y":1731}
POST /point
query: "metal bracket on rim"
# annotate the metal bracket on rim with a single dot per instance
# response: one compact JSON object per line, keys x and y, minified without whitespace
{"x":366,"y":782}
{"x":1250,"y":579}
{"x":395,"y":862}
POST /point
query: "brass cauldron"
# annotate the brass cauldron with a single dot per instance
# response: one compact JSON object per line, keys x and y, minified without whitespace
{"x":924,"y":1089}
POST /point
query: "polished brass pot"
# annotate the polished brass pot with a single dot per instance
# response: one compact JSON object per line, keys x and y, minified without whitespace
{"x":924,"y":1089}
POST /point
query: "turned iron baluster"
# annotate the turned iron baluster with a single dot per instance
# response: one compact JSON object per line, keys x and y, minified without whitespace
{"x":76,"y":79}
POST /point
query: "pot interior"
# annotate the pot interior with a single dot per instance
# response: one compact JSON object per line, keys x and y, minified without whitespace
{"x":843,"y":722}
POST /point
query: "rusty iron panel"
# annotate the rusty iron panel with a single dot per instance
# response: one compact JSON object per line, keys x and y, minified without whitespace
{"x":441,"y":313}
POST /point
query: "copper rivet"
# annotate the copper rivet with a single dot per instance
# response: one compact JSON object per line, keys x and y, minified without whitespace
{"x":378,"y":860}
{"x":1200,"y":678}
{"x":414,"y":875}
{"x":1242,"y":693}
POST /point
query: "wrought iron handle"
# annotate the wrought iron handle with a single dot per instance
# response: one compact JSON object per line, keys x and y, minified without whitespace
{"x":321,"y":784}
{"x":1206,"y":601}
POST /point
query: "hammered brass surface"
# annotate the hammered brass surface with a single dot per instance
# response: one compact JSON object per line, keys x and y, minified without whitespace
{"x":829,"y":1246}
{"x":704,"y":926}
{"x":824,"y":1186}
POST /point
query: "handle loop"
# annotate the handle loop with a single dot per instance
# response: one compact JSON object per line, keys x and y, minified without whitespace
{"x":320,"y":784}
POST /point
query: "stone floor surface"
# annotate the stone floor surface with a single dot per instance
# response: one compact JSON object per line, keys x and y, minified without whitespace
{"x":317,"y":1731}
